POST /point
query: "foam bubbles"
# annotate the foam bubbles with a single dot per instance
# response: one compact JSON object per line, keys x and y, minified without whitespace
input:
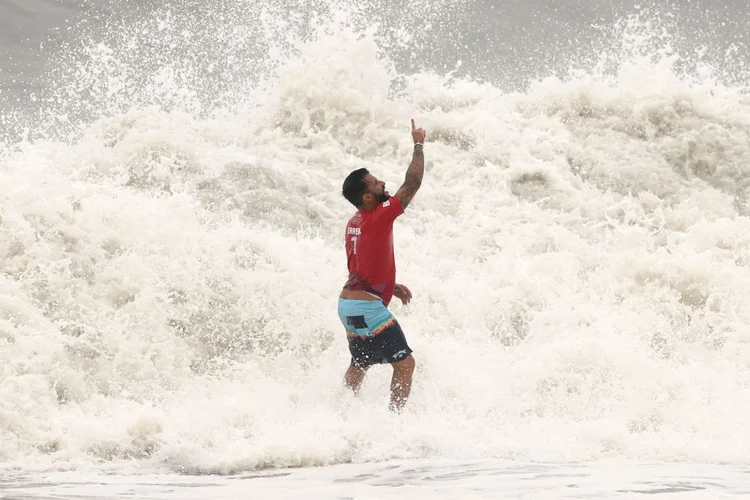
{"x":576,"y":254}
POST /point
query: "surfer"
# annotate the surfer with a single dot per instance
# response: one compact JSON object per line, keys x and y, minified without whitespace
{"x":374,"y":335}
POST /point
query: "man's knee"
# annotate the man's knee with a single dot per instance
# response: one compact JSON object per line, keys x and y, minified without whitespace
{"x":406,"y":365}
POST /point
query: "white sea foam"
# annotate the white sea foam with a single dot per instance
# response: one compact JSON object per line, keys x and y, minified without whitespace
{"x":578,"y":255}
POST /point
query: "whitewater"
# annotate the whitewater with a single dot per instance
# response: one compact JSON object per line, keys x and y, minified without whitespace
{"x":171,"y":247}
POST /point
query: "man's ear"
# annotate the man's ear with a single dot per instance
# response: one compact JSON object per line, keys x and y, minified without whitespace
{"x":367,"y":198}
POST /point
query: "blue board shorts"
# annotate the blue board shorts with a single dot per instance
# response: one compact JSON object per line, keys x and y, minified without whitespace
{"x":374,"y":335}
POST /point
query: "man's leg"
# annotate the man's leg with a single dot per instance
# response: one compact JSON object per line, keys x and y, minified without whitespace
{"x":401,"y":383}
{"x":354,"y":377}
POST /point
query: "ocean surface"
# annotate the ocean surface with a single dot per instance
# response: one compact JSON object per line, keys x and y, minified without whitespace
{"x":171,"y":248}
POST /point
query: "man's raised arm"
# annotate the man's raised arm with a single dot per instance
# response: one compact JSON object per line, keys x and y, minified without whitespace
{"x":415,"y":171}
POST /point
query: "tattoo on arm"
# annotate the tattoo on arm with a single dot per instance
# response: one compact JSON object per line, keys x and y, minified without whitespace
{"x":413,"y":179}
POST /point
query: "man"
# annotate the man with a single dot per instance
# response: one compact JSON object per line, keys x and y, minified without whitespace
{"x":374,"y":335}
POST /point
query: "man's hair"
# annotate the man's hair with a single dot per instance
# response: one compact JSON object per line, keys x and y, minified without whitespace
{"x":355,"y":186}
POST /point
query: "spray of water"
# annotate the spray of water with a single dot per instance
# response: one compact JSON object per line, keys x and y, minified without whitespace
{"x":170,"y":276}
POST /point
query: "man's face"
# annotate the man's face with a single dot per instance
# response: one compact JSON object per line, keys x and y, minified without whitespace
{"x":377,"y":189}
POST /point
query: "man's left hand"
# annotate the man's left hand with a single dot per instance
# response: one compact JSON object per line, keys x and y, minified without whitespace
{"x":403,"y":293}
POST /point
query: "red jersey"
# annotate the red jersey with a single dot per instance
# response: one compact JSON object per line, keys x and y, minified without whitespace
{"x":369,"y":250}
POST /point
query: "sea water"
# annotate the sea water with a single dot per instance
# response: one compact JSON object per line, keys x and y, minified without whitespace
{"x":171,"y":247}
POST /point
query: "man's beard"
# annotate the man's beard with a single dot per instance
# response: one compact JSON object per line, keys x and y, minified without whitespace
{"x":382,"y":197}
